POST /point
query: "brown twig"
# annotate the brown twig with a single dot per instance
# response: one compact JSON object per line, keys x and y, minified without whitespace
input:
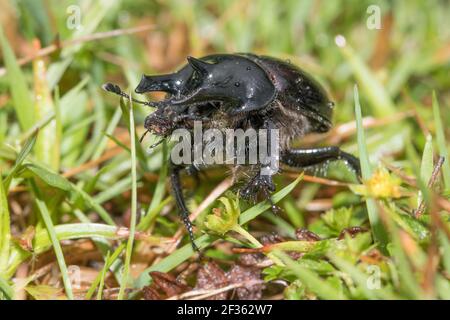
{"x":324,"y":181}
{"x":93,"y":163}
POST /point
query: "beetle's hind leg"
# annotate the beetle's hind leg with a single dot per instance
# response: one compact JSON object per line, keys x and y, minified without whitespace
{"x":309,"y":157}
{"x":181,"y":204}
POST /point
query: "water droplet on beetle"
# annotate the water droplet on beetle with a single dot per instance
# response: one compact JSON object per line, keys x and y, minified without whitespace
{"x":237,"y":84}
{"x":330,"y":104}
{"x":249,"y":68}
{"x":299,"y":80}
{"x":250,"y":93}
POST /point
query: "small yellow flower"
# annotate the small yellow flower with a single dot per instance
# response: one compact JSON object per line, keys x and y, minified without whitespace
{"x":381,"y":185}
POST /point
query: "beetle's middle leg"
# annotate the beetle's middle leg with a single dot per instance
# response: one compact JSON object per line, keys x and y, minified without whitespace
{"x":309,"y":157}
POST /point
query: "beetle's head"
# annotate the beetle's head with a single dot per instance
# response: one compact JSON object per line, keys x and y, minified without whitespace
{"x":160,"y":122}
{"x":236,"y":83}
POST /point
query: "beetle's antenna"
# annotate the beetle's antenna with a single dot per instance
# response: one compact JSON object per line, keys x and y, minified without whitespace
{"x":110,"y":87}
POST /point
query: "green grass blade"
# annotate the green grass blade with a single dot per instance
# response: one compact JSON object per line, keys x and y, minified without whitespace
{"x":71,"y":231}
{"x":42,"y":241}
{"x":118,"y":188}
{"x":5,"y":232}
{"x":310,"y":279}
{"x":129,"y":250}
{"x":139,"y":150}
{"x":109,"y":131}
{"x":37,"y":126}
{"x":379,"y":98}
{"x":108,"y":263}
{"x":24,"y":152}
{"x":45,"y":214}
{"x":47,"y":149}
{"x":3,"y":126}
{"x":49,"y":177}
{"x":6,"y":289}
{"x":426,"y":166}
{"x":23,"y":104}
{"x":119,"y":143}
{"x":57,"y":181}
{"x":440,"y":137}
{"x":94,"y":205}
{"x":146,"y":221}
{"x":99,"y":127}
{"x":366,"y":171}
{"x":158,"y":194}
{"x":102,"y":277}
{"x":284,"y":227}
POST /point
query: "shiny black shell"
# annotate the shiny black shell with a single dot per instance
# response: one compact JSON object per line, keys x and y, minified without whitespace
{"x":298,"y":91}
{"x":246,"y":83}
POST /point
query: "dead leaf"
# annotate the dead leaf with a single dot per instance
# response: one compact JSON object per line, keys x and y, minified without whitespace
{"x":164,"y":286}
{"x":210,"y":277}
{"x":240,"y":274}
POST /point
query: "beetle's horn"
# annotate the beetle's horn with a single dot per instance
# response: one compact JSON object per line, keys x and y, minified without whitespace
{"x":199,"y":65}
{"x":165,"y":82}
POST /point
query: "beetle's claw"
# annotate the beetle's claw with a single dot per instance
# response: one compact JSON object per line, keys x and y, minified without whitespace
{"x":260,"y":184}
{"x":353,"y":163}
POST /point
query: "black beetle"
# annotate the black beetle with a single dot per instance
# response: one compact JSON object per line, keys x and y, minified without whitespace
{"x":242,"y":91}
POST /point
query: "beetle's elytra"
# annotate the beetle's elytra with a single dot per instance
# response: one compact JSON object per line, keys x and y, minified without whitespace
{"x":242,"y":91}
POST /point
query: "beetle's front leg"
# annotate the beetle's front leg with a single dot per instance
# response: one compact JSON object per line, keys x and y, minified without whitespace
{"x":309,"y":157}
{"x":181,"y":204}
